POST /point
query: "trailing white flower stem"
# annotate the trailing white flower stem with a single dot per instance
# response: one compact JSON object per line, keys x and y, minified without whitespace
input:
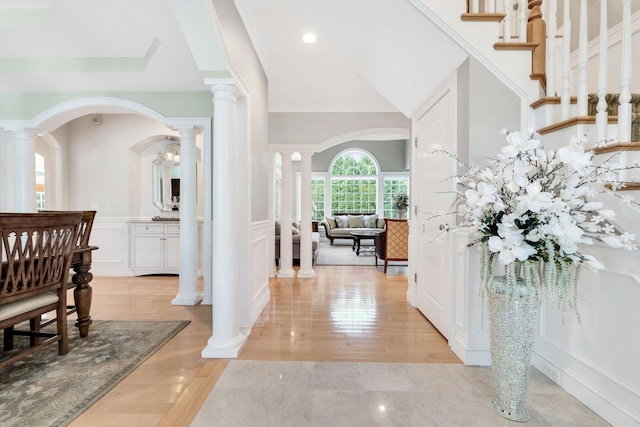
{"x":558,"y":278}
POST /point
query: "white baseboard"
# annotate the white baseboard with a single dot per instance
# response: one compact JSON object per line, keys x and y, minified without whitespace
{"x":591,"y":394}
{"x":470,"y":357}
{"x":259,"y":302}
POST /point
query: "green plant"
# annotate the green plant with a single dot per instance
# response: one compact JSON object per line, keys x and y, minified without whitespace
{"x":401,"y":201}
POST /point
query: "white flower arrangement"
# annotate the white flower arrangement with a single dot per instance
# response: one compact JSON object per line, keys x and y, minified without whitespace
{"x":534,"y":210}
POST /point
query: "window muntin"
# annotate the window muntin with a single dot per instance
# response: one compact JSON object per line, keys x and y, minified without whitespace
{"x":354,"y":183}
{"x":393,"y":186}
{"x":317,"y":197}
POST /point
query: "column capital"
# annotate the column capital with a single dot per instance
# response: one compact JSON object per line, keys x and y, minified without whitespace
{"x":306,"y":153}
{"x":224,"y":88}
{"x":23,"y":133}
{"x":187,"y":132}
{"x":286,"y":153}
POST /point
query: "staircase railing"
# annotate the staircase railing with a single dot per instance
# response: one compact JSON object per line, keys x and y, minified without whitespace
{"x":555,"y":61}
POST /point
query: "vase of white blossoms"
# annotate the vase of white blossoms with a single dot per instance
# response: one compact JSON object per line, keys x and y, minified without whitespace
{"x":534,"y":209}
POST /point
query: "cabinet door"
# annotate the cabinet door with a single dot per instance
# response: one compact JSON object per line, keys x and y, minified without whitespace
{"x":147,"y":250}
{"x":172,"y":253}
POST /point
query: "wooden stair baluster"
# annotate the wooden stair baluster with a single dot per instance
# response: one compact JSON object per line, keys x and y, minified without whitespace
{"x":537,"y":33}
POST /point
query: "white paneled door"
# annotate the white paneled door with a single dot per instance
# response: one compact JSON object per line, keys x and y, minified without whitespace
{"x":434,"y":130}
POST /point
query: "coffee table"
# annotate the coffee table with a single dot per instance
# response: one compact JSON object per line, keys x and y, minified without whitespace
{"x":358,"y":236}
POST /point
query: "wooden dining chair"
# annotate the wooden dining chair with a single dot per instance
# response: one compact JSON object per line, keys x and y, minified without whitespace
{"x":35,"y":250}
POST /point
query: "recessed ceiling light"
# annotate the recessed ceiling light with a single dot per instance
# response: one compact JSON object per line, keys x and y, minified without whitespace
{"x":309,"y":38}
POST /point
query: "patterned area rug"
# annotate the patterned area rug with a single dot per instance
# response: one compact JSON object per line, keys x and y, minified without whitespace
{"x":45,"y":389}
{"x":340,"y":253}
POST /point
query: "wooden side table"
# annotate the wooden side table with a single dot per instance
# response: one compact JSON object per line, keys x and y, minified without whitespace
{"x":314,"y":226}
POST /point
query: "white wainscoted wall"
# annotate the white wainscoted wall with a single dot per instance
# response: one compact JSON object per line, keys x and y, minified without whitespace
{"x":595,"y":359}
{"x":598,"y":359}
{"x":111,"y":235}
{"x":109,"y":169}
{"x":261,"y":244}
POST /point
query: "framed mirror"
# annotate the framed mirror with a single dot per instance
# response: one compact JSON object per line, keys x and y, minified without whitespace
{"x":166,"y":178}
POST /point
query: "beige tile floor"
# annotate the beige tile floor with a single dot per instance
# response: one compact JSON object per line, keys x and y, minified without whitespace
{"x":353,"y":323}
{"x":350,"y":394}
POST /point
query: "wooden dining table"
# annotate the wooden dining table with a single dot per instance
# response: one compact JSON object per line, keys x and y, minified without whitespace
{"x":82,"y":293}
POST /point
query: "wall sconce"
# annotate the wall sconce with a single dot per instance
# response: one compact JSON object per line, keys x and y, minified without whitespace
{"x":170,"y":155}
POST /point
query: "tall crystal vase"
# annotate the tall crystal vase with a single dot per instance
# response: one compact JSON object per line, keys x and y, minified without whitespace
{"x":513,"y":311}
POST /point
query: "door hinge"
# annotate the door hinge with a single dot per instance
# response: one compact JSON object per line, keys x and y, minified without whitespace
{"x":415,"y":277}
{"x":415,"y":141}
{"x":415,"y":209}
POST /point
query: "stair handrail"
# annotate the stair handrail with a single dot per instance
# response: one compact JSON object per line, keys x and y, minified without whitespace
{"x":545,"y":58}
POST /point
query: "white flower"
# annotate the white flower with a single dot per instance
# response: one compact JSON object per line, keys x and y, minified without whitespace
{"x":607,"y":213}
{"x":575,"y":156}
{"x":511,"y":248}
{"x":592,"y":263}
{"x":485,"y":193}
{"x":518,"y":143}
{"x":615,"y":242}
{"x":592,"y":206}
{"x":535,"y":199}
{"x":532,"y":204}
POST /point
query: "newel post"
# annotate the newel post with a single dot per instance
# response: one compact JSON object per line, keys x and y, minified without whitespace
{"x":537,"y":33}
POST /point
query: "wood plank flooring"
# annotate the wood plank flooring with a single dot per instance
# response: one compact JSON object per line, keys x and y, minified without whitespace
{"x":345,"y":313}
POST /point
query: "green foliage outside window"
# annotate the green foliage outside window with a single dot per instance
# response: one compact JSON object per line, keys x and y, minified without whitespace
{"x":391,"y":188}
{"x":353,"y":183}
{"x":354,"y":164}
{"x":317,"y":196}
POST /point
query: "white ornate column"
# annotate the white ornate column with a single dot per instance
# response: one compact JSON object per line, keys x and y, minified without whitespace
{"x":286,"y":219}
{"x":306,"y":264}
{"x":226,"y":340}
{"x":242,"y":181}
{"x":188,"y":293}
{"x":25,"y":168}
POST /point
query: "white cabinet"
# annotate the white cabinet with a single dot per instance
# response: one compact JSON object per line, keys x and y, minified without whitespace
{"x":154,"y":247}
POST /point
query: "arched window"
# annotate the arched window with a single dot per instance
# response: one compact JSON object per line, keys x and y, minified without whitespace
{"x":354,"y":183}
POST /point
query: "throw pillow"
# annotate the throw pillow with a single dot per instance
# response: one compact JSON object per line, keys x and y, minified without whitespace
{"x":380,"y":222}
{"x":295,"y":231}
{"x":370,"y":221}
{"x":332,"y":222}
{"x":342,"y":221}
{"x":356,"y":221}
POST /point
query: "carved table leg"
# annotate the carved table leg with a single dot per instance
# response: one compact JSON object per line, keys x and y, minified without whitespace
{"x":82,"y":296}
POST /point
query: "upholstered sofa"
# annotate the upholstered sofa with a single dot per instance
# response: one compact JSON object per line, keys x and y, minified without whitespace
{"x":341,"y":225}
{"x":295,"y":237}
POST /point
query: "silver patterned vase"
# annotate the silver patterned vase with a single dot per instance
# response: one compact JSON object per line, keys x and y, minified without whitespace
{"x":513,"y":311}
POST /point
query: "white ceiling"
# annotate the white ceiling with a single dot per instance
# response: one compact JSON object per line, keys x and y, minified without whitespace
{"x":93,"y":45}
{"x":371,"y":55}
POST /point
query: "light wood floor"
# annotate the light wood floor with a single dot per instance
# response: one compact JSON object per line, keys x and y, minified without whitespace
{"x":343,"y":314}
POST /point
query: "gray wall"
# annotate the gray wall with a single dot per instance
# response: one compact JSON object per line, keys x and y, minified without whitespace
{"x":318,"y":128}
{"x":246,"y":63}
{"x":480,"y":117}
{"x":389,"y":154}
